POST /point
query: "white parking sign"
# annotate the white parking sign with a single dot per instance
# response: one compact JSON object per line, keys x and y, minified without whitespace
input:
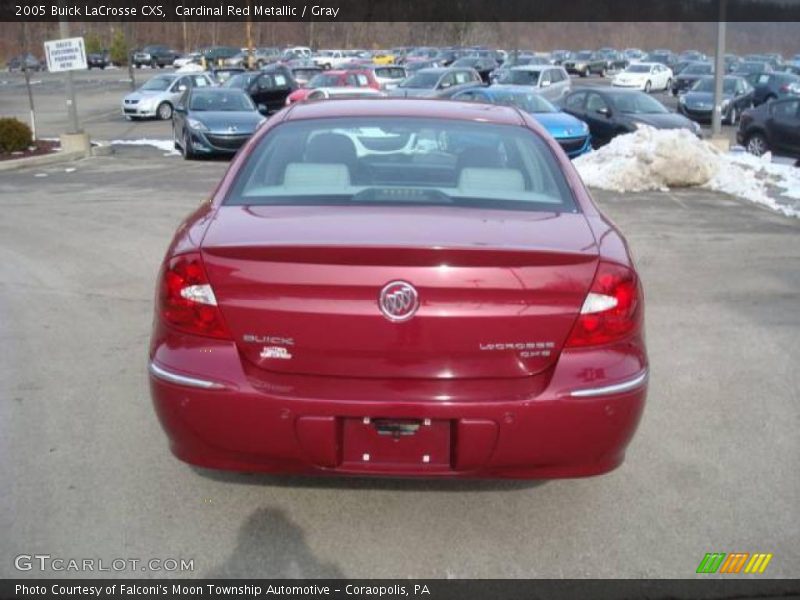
{"x":65,"y":55}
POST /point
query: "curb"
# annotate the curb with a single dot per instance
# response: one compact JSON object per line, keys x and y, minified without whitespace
{"x":50,"y":159}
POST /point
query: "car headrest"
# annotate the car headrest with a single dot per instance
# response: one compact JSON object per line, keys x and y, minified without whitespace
{"x":316,"y":175}
{"x":478,"y":180}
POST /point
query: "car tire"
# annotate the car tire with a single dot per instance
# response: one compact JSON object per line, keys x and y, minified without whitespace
{"x":584,"y":73}
{"x":770,"y":98}
{"x":647,"y":87}
{"x":186,"y":148}
{"x":756,"y":144}
{"x":733,"y":116}
{"x":164,"y":111}
{"x":669,"y":85}
{"x":153,"y":64}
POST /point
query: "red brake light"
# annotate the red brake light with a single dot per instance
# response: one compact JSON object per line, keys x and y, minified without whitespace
{"x":612,"y":310}
{"x":186,"y":300}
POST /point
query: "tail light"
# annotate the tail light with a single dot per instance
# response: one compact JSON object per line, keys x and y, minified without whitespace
{"x":612,"y":310}
{"x":186,"y":300}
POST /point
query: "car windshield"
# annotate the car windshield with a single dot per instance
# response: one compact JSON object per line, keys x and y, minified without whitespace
{"x":527,"y":101}
{"x":325,"y":80}
{"x":467,"y":61}
{"x":239,"y":81}
{"x":637,"y":104}
{"x":518,"y":77}
{"x":232,"y":101}
{"x":583,"y":55}
{"x":421,"y":80}
{"x":402,"y":160}
{"x":638,"y":69}
{"x":707,"y":85}
{"x":158,"y":84}
{"x":697,"y":70}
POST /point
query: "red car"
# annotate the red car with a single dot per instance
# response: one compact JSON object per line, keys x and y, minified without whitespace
{"x":400,"y":287}
{"x":336,"y":78}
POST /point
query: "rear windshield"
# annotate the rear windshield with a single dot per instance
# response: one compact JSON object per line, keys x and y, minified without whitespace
{"x":391,"y":72}
{"x":518,"y":77}
{"x":397,"y":161}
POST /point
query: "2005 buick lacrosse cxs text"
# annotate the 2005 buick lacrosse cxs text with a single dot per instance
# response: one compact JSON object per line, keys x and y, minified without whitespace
{"x":400,"y":287}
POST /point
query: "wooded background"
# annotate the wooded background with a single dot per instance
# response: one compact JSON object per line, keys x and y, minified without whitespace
{"x":743,"y":38}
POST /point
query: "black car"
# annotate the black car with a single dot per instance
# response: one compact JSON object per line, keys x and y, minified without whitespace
{"x":698,"y":102}
{"x":773,"y":127}
{"x":28,"y":61}
{"x":692,"y":56}
{"x":484,"y":66}
{"x":687,"y":77}
{"x":615,"y":60}
{"x":155,"y":56}
{"x":612,"y":112}
{"x":665,"y":57}
{"x":209,"y":121}
{"x":771,"y":86}
{"x":585,"y":63}
{"x":751,"y":67}
{"x":268,"y":88}
{"x":98,"y":60}
{"x":217,"y":55}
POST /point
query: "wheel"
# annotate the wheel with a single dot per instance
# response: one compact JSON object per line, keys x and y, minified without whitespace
{"x":647,"y":87}
{"x":733,"y":116}
{"x":186,"y":150}
{"x":669,"y":85}
{"x":138,"y":66}
{"x":770,"y":98}
{"x":164,"y":111}
{"x":756,"y":144}
{"x":603,"y":72}
{"x":584,"y":73}
{"x":153,"y":64}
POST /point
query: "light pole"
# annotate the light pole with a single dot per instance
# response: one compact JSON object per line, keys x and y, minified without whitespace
{"x":72,"y":106}
{"x":719,"y":72}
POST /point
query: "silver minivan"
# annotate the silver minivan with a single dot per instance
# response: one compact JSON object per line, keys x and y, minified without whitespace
{"x":552,"y":82}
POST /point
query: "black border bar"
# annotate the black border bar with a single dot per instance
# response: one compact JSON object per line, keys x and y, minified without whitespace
{"x":734,"y":588}
{"x":406,"y":10}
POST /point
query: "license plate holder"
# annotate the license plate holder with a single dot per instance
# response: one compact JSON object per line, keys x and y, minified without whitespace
{"x":389,"y":443}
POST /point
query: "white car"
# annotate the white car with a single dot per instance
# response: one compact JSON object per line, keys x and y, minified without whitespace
{"x":644,"y":76}
{"x":330,"y":59}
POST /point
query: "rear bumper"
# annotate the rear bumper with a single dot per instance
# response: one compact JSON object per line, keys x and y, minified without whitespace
{"x":577,"y":423}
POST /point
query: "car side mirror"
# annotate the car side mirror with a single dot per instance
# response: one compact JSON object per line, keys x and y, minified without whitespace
{"x":262,"y":108}
{"x":180,"y":108}
{"x":546,"y":83}
{"x":181,"y":88}
{"x":444,"y":85}
{"x":606,"y":112}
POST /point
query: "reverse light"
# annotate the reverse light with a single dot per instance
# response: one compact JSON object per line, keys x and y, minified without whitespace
{"x":612,"y":310}
{"x":186,"y":299}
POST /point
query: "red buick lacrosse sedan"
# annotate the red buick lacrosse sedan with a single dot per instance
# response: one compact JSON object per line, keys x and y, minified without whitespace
{"x":400,"y":287}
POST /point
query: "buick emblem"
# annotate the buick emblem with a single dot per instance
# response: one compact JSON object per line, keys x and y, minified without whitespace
{"x":398,"y":301}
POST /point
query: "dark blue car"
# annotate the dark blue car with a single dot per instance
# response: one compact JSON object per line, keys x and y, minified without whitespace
{"x":572,"y":134}
{"x":213,"y":121}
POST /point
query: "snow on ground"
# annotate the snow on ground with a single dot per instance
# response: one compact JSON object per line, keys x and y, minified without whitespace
{"x":166,"y":145}
{"x":660,"y":159}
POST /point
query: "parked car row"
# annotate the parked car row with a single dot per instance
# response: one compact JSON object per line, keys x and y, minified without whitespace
{"x":578,"y":119}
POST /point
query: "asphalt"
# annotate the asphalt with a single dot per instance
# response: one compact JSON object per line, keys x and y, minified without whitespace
{"x":87,"y":474}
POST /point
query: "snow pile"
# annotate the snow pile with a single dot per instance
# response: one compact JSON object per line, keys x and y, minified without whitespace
{"x":168,"y":146}
{"x":660,"y":159}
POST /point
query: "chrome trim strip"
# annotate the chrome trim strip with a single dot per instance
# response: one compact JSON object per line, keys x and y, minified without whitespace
{"x":612,"y":389}
{"x":171,"y":377}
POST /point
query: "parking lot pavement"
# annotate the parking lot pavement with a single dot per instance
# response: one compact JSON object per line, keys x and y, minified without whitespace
{"x":99,"y":94}
{"x":87,"y":472}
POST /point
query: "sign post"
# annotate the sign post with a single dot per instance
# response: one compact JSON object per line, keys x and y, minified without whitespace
{"x":67,"y":55}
